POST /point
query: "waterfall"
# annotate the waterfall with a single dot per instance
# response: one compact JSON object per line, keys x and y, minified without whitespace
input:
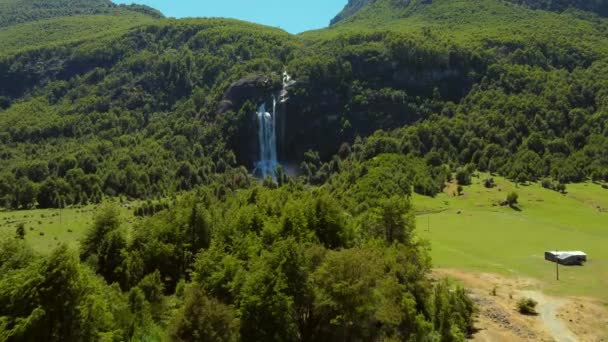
{"x":267,"y":132}
{"x":267,"y":141}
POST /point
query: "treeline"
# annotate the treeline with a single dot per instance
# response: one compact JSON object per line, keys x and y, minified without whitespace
{"x":291,"y":262}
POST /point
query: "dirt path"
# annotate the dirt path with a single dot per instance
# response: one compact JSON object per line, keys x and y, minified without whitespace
{"x":559,"y":319}
{"x":548,"y":311}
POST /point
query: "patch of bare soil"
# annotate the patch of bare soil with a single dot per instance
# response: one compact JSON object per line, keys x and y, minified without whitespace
{"x":559,"y":319}
{"x":586,"y":318}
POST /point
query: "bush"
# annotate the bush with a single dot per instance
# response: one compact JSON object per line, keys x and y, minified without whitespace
{"x":512,"y":198}
{"x":20,"y":231}
{"x":548,"y":184}
{"x":489,"y":183}
{"x":463,"y":177}
{"x":527,"y":306}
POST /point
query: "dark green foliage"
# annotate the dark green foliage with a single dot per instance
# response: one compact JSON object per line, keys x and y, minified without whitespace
{"x":150,"y":208}
{"x":20,"y":231}
{"x":556,"y":186}
{"x":14,"y":254}
{"x":103,"y":244}
{"x":203,"y":319}
{"x":463,"y":177}
{"x":453,"y":312}
{"x":527,"y":306}
{"x":512,"y":199}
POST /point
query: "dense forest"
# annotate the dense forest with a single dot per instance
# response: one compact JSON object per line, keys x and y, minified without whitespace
{"x":20,"y":11}
{"x":140,"y":110}
{"x":288,"y":263}
{"x":99,"y":102}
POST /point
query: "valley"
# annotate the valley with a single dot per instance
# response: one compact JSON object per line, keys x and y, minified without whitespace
{"x":395,"y":176}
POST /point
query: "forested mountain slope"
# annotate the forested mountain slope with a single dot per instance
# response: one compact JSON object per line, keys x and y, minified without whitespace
{"x":353,"y":7}
{"x":142,"y":112}
{"x":20,"y":11}
{"x":399,"y":97}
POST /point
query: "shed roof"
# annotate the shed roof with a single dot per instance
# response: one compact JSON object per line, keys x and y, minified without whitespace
{"x":567,"y":254}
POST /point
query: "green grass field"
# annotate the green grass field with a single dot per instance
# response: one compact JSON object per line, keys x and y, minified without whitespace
{"x":471,"y":232}
{"x":47,"y":228}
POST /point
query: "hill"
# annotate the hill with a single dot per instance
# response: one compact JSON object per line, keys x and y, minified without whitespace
{"x":20,"y":11}
{"x":390,"y":8}
{"x":481,"y":73}
{"x":128,"y":153}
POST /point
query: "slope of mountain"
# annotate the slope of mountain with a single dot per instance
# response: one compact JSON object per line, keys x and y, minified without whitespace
{"x":398,"y":97}
{"x":473,"y":82}
{"x":20,"y":11}
{"x":401,"y":7}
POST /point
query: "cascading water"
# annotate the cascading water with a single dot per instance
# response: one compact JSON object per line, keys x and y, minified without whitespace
{"x":267,"y":132}
{"x":267,"y":140}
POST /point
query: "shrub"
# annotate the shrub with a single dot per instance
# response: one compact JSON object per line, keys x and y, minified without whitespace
{"x":489,"y":183}
{"x":20,"y":231}
{"x":512,"y":198}
{"x":463,"y":177}
{"x":527,"y":306}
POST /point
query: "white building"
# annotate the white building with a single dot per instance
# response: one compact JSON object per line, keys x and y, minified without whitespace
{"x":566,"y":258}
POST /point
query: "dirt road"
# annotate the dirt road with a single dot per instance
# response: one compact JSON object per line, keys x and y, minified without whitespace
{"x":547,"y":309}
{"x":559,"y":319}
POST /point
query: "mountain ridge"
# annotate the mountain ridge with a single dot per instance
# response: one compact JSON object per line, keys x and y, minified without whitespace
{"x":21,"y":11}
{"x":354,"y":7}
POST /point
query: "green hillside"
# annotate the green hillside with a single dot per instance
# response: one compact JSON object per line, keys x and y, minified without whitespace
{"x":144,"y":132}
{"x":20,"y":11}
{"x":472,"y":232}
{"x":532,"y":92}
{"x":362,"y":9}
{"x":50,"y":33}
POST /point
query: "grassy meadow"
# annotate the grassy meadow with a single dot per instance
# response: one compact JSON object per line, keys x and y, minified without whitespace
{"x":47,"y":228}
{"x":472,"y":232}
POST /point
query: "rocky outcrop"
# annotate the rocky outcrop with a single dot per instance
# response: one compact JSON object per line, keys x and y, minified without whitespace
{"x":352,"y":7}
{"x":252,"y":88}
{"x":255,"y":89}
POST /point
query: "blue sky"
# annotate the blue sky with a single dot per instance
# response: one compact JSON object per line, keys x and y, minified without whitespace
{"x":294,"y":16}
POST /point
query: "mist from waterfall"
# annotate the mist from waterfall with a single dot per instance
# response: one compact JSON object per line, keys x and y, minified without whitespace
{"x":267,"y":132}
